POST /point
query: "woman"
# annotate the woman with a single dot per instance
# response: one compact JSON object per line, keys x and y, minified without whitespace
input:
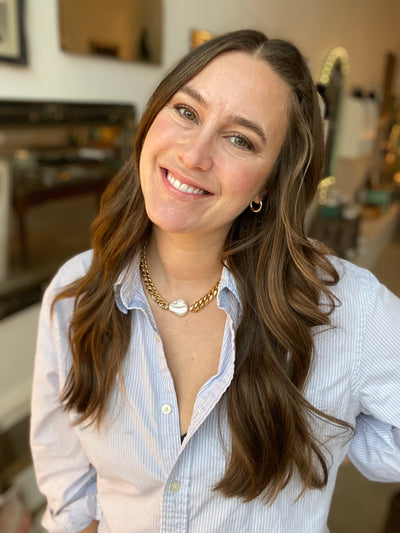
{"x":207,"y":367}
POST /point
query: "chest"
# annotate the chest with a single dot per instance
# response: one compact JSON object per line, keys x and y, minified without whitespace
{"x":192,"y":348}
{"x":150,"y":407}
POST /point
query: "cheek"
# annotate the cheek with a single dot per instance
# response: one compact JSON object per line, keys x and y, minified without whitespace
{"x":151,"y":148}
{"x":161,"y":130}
{"x":246,"y":181}
{"x":155,"y":136}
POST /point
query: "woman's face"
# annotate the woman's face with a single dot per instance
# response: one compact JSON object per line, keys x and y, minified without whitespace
{"x":210,"y":149}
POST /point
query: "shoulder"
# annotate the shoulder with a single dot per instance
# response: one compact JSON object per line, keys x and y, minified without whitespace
{"x":361,"y":295}
{"x":71,"y":270}
{"x":54,"y":319}
{"x":353,"y":280}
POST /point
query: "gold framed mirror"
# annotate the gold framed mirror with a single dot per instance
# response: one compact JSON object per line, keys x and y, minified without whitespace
{"x":128,"y":30}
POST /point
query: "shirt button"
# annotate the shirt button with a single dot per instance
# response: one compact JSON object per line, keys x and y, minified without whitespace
{"x":166,"y":409}
{"x":157,"y":338}
{"x":175,"y":486}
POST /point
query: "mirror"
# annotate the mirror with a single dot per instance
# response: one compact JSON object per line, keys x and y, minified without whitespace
{"x":128,"y":30}
{"x":330,"y":86}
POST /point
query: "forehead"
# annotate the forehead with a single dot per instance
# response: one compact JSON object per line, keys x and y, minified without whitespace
{"x":238,"y":82}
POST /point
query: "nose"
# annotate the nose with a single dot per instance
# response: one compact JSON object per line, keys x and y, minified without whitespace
{"x":196,"y":151}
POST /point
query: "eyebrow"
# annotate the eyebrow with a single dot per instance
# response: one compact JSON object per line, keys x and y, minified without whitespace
{"x":236,"y":119}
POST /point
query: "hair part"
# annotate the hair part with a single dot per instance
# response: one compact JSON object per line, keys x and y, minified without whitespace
{"x":281,"y":276}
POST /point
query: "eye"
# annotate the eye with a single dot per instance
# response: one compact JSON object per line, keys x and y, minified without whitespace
{"x":241,"y":142}
{"x":186,"y":112}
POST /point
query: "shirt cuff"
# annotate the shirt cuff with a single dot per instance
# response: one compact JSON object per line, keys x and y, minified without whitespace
{"x":375,"y":449}
{"x":74,"y":517}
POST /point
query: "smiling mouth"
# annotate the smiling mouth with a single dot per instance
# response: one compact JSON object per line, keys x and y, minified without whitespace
{"x":184,"y":187}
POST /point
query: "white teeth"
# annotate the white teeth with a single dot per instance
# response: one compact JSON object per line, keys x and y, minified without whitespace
{"x":183,"y":186}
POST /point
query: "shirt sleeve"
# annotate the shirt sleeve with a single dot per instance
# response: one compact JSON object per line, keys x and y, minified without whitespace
{"x":63,"y":472}
{"x":375,"y":448}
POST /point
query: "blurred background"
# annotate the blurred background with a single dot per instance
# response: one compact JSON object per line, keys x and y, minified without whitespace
{"x":75,"y":78}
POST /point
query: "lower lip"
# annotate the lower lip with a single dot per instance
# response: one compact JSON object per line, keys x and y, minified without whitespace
{"x":180,"y":194}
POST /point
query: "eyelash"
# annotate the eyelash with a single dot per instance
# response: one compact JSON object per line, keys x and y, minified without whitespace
{"x":182,"y":108}
{"x":249,"y":145}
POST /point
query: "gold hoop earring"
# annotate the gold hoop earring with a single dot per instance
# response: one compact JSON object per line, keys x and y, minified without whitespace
{"x":256,"y":208}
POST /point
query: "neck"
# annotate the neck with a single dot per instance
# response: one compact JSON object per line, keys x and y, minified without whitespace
{"x":179,"y":261}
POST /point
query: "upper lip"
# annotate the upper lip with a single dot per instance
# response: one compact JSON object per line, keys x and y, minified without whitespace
{"x":184,"y":179}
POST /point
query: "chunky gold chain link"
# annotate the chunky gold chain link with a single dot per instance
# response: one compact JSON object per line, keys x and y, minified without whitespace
{"x":212,"y":293}
{"x":148,"y":282}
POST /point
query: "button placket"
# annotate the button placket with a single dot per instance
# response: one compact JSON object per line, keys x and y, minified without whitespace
{"x":176,"y":498}
{"x":169,"y":421}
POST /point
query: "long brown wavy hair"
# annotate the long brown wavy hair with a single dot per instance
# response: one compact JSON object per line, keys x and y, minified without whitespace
{"x":281,"y":276}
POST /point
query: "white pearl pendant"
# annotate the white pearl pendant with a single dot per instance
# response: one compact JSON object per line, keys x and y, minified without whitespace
{"x":178,"y":307}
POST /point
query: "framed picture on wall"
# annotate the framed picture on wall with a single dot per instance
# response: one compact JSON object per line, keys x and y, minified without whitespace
{"x":12,"y":35}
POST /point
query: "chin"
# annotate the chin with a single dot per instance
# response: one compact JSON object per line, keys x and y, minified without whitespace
{"x":167,"y":224}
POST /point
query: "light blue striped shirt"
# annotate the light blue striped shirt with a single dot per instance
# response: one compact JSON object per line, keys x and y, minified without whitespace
{"x":135,"y":476}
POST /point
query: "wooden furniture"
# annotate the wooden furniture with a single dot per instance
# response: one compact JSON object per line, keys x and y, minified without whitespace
{"x":51,"y":152}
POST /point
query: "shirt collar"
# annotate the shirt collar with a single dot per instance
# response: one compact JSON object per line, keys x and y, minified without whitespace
{"x":127,"y":285}
{"x":127,"y":290}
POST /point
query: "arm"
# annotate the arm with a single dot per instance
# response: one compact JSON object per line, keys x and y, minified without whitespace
{"x":375,"y":448}
{"x":64,"y":474}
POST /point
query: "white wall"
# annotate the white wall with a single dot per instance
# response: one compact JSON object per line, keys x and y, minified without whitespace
{"x":367,"y":28}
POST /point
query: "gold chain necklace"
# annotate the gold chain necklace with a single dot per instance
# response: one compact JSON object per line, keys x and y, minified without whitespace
{"x":178,"y":307}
